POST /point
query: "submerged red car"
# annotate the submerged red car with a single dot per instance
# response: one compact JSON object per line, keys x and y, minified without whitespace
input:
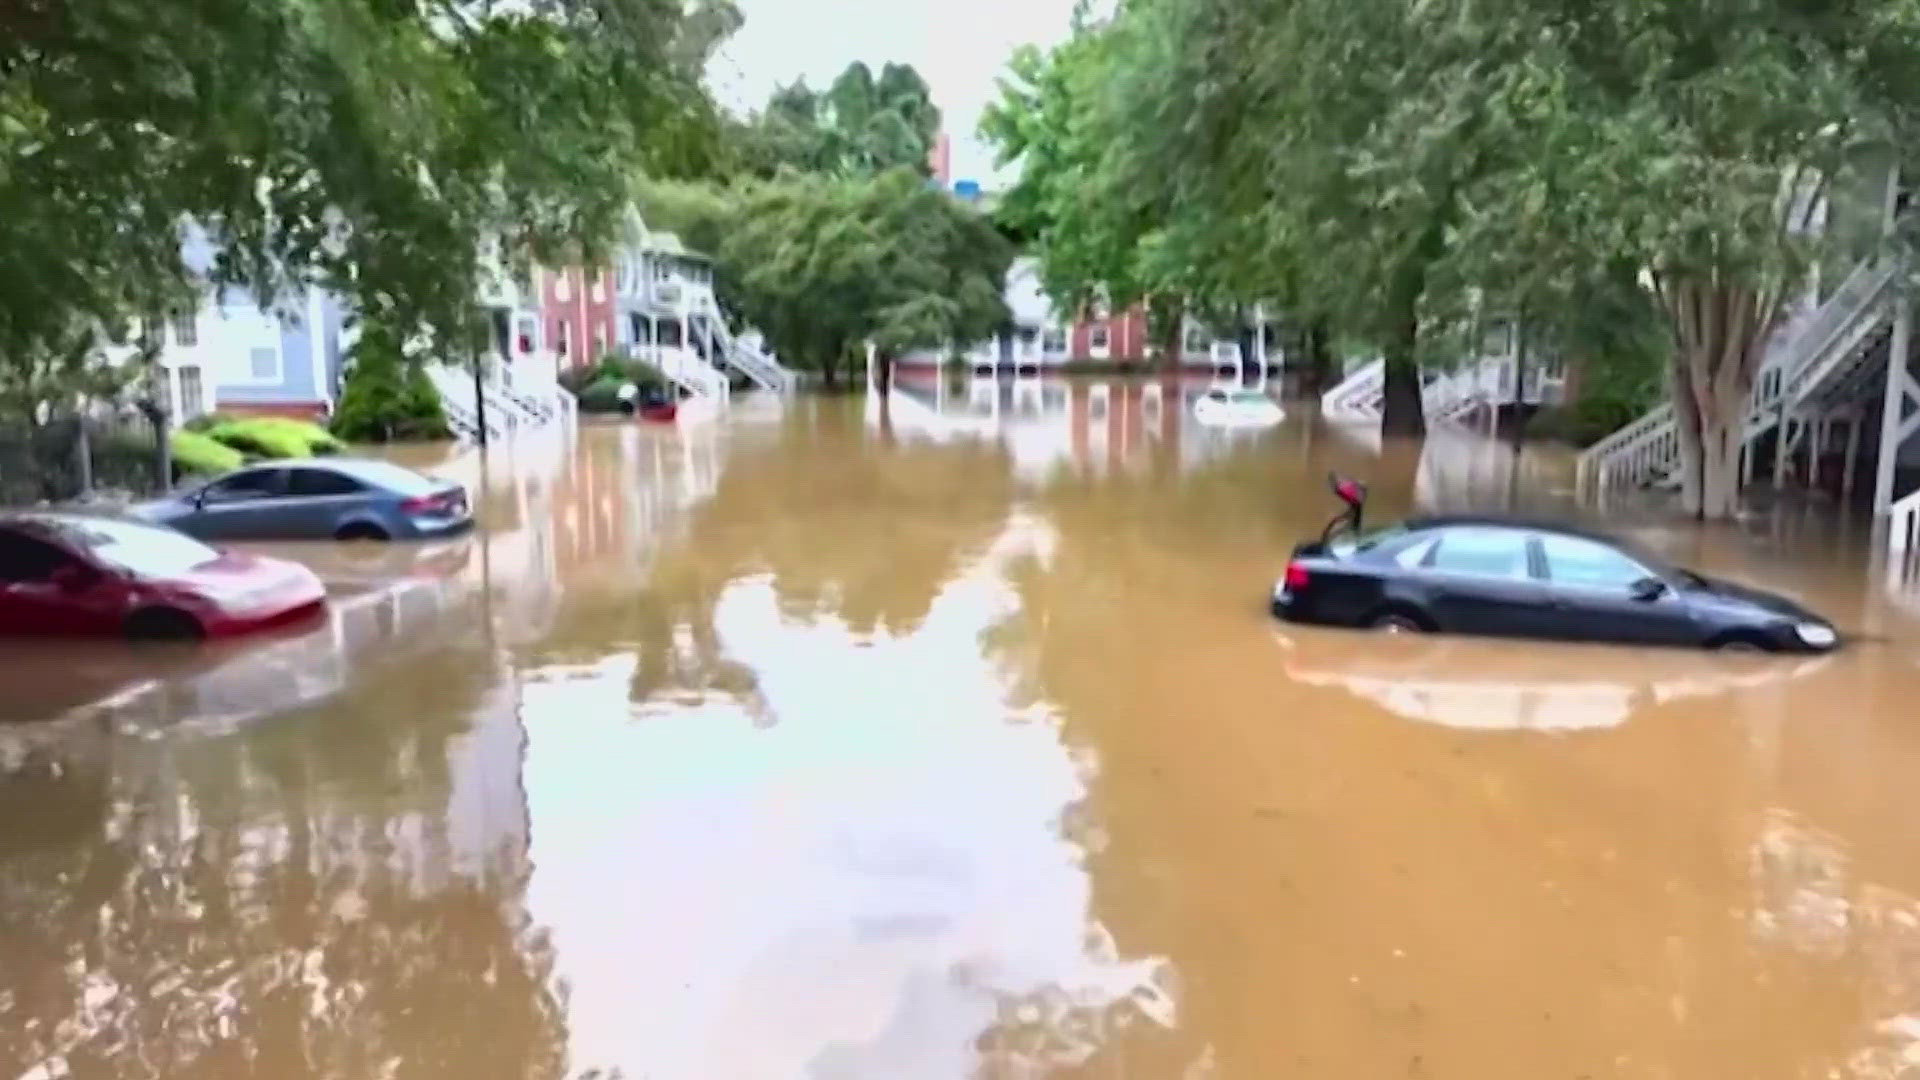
{"x":77,"y":574}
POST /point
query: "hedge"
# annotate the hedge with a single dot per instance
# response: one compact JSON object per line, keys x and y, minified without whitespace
{"x":195,"y":454}
{"x":274,"y":437}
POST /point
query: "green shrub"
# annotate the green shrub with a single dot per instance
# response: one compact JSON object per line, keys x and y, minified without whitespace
{"x":600,"y":396}
{"x":209,"y":421}
{"x":611,"y":369}
{"x":196,"y":454}
{"x":261,"y":438}
{"x":319,"y":441}
{"x":387,"y":396}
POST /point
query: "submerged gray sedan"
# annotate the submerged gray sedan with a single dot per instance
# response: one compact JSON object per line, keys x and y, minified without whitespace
{"x":320,"y":499}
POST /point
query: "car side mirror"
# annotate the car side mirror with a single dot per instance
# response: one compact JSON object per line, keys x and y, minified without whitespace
{"x":1648,"y":589}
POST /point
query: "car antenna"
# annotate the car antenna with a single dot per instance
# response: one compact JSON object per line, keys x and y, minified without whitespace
{"x":1354,"y":494}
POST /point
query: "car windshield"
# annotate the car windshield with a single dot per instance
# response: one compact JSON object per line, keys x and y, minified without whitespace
{"x":1249,"y":397}
{"x":141,"y":550}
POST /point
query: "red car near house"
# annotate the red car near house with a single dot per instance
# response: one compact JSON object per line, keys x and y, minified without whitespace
{"x":67,"y":574}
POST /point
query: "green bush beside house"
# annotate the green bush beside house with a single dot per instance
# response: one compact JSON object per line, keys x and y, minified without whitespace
{"x":387,"y":396}
{"x":597,"y":388}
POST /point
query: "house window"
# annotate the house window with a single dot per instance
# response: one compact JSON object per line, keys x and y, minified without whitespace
{"x":600,"y":339}
{"x":561,"y":337}
{"x":185,"y":332}
{"x":1098,"y":339}
{"x":1054,"y":340}
{"x":1195,"y":339}
{"x":263,"y":364}
{"x":562,"y":286}
{"x":193,"y":393}
{"x":525,"y":333}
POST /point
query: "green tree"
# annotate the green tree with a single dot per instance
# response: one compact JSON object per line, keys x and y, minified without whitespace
{"x":824,"y":264}
{"x":859,"y":126}
{"x":362,"y":145}
{"x":1107,"y":221}
{"x":387,"y":396}
{"x":1693,"y":142}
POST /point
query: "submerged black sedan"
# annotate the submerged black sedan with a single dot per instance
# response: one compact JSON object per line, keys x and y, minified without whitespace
{"x":1492,"y":576}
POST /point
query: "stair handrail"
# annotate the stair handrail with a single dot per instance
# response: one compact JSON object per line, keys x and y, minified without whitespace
{"x":762,"y":369}
{"x":1864,"y":288}
{"x":1366,"y":381}
{"x":1903,"y":520}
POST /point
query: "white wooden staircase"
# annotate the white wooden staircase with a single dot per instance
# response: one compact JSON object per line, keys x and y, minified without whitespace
{"x":518,"y":396}
{"x":1817,"y":364}
{"x":1445,"y":395}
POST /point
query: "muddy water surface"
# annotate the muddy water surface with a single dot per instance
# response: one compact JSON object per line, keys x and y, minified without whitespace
{"x":951,"y":740}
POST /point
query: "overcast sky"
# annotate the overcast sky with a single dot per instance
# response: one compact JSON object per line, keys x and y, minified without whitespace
{"x":959,"y":47}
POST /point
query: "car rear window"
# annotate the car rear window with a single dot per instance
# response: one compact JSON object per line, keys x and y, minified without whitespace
{"x":392,"y":477}
{"x":1345,"y":547}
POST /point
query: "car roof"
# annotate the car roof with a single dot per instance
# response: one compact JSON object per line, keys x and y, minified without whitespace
{"x":54,"y":519}
{"x":1539,"y":525}
{"x":372,"y":470}
{"x":61,"y":524}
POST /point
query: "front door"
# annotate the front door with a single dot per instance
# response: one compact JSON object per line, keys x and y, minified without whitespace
{"x":1480,"y":580}
{"x":1592,"y":589}
{"x":248,"y":504}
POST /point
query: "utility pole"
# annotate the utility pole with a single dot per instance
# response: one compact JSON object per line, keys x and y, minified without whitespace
{"x":479,"y":399}
{"x":1519,"y":373}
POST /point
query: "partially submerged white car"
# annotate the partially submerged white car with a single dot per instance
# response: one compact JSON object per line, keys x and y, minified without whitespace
{"x":1239,"y":408}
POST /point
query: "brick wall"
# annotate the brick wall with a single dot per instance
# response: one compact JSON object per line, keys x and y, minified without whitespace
{"x":577,"y":312}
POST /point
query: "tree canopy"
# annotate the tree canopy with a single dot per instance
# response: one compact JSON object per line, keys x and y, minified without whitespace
{"x":1401,"y":166}
{"x":364,"y":145}
{"x":822,"y":264}
{"x":859,"y":126}
{"x":833,"y":237}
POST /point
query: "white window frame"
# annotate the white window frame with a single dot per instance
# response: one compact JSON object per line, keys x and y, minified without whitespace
{"x":196,"y":405}
{"x":183,"y":325}
{"x":1099,"y":340}
{"x":563,"y":285}
{"x":1054,"y":341}
{"x":563,"y":338}
{"x":253,"y":378}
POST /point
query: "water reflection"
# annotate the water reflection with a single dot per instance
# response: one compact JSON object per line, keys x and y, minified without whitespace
{"x":865,"y":887}
{"x":314,"y":885}
{"x":798,"y":745}
{"x":1492,"y":686}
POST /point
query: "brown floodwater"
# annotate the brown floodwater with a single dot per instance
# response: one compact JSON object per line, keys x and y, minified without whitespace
{"x":951,"y":739}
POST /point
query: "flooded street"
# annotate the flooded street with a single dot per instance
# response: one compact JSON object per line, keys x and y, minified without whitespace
{"x":950,"y":738}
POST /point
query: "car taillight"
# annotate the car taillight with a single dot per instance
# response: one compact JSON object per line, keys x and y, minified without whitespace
{"x":429,"y":504}
{"x":1297,"y":577}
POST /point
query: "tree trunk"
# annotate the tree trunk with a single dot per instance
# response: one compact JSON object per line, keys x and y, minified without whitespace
{"x":1401,"y":412}
{"x":883,"y":370}
{"x":1171,"y":315}
{"x":1720,"y":335}
{"x":83,"y":456}
{"x":1316,"y":347}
